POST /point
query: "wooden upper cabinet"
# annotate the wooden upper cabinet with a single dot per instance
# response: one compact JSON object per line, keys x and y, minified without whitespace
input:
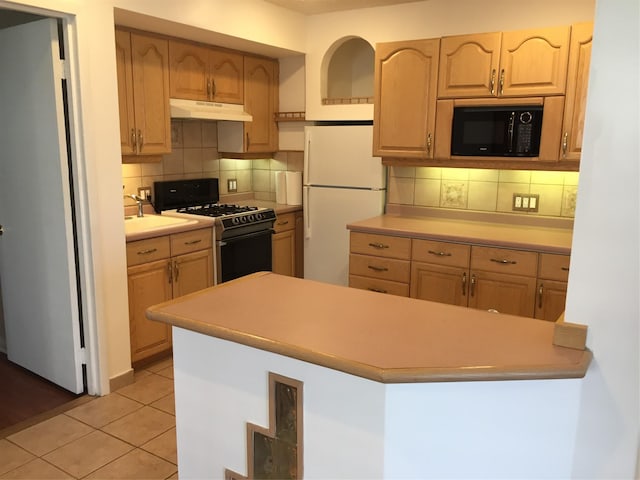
{"x":577,"y":85}
{"x":261,"y":83}
{"x":406,"y":75}
{"x":143,"y":89}
{"x":534,"y":62}
{"x":509,"y":64}
{"x":198,"y":72}
{"x":469,"y":65}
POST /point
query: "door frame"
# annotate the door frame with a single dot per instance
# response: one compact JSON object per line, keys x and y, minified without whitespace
{"x":97,"y":377}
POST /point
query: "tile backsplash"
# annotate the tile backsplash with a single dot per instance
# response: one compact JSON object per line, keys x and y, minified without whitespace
{"x":484,"y":190}
{"x":195,"y":155}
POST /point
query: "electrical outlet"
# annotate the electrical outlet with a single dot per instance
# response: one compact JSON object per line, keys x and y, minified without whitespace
{"x":525,"y":202}
{"x":232,"y":185}
{"x":145,"y":192}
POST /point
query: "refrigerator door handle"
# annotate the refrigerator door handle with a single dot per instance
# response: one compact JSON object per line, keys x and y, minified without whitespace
{"x":307,"y":154}
{"x":306,"y":213}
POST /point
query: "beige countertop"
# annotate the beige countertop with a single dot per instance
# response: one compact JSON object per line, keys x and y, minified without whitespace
{"x":385,"y":338}
{"x":502,"y":231}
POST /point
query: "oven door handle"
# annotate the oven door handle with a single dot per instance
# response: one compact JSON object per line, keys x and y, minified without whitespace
{"x":239,"y":238}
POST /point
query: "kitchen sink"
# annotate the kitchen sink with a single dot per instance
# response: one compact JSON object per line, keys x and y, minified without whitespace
{"x":151,"y":223}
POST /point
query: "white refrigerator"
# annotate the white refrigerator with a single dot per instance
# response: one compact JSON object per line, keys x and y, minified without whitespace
{"x":342,"y":183}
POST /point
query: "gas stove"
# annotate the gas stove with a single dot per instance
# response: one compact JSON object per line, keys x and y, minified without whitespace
{"x":242,"y":234}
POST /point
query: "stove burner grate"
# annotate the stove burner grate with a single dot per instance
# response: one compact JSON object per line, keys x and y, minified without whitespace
{"x":217,"y":209}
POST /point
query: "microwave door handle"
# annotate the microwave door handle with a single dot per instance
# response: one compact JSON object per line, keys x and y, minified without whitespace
{"x":512,"y":121}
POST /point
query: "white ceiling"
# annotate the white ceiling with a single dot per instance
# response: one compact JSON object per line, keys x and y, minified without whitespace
{"x":313,"y":7}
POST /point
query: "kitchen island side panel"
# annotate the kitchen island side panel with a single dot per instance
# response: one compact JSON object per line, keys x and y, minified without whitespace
{"x":222,"y":385}
{"x":498,"y":430}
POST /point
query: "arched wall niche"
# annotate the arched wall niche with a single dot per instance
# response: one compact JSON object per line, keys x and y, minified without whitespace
{"x":347,"y":72}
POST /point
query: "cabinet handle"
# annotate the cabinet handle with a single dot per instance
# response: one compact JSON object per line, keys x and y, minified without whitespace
{"x":429,"y":144}
{"x":248,"y":141}
{"x":148,"y":251}
{"x":439,"y":254}
{"x":176,"y":271}
{"x":502,"y":82}
{"x":379,"y":246}
{"x":283,"y":223}
{"x":134,"y":141}
{"x":169,"y":272}
{"x":565,"y":144}
{"x":504,"y":261}
{"x":140,"y":140}
{"x":193,"y":242}
{"x":209,"y":88}
{"x":472,"y":288}
{"x":464,"y":284}
{"x":540,"y":292}
{"x":213,"y":88}
{"x":493,"y":82}
{"x":565,"y":269}
{"x":378,"y":269}
{"x":379,"y":290}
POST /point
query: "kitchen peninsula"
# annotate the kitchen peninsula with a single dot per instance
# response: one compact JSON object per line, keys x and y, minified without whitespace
{"x":392,"y":386}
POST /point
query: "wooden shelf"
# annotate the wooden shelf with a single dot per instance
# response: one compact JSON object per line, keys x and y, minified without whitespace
{"x":347,"y":101}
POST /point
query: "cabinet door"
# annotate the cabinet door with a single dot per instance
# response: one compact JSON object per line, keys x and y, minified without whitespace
{"x":469,"y":65}
{"x":150,"y":57}
{"x":511,"y":294}
{"x":192,"y":272}
{"x":227,"y":76}
{"x":439,"y":283}
{"x":534,"y":62}
{"x":125,"y":93}
{"x":261,"y":99}
{"x":577,"y":84}
{"x":148,"y":284}
{"x":551,"y":298}
{"x":189,"y":71}
{"x":406,"y":76}
{"x":283,"y":250}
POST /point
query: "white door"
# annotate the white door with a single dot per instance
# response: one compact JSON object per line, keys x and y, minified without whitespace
{"x":327,"y":212}
{"x":37,"y":261}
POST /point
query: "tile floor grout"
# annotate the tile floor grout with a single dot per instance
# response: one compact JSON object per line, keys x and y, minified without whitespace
{"x":129,"y":428}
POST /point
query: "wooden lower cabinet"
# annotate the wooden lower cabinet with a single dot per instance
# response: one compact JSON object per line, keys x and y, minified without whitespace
{"x":380,"y":263}
{"x":515,"y":282}
{"x":439,"y":283}
{"x":163,"y":277}
{"x":551,"y":291}
{"x":503,"y":293}
{"x":283,"y":245}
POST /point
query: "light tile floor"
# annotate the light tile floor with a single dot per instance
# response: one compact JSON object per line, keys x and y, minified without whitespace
{"x":128,"y":434}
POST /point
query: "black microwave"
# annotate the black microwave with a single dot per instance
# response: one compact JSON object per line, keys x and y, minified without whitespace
{"x":497,"y":131}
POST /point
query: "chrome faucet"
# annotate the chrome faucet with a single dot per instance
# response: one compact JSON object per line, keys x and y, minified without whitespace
{"x":138,"y":200}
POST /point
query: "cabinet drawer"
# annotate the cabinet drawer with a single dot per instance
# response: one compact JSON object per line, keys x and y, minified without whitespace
{"x":441,"y":253}
{"x":377,"y":267}
{"x":554,"y":267}
{"x":192,"y":241}
{"x":285,"y":222}
{"x":503,"y":260}
{"x":381,"y":245}
{"x":148,"y":250}
{"x":377,"y":285}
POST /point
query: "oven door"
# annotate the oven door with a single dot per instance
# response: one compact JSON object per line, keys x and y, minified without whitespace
{"x":244,"y":254}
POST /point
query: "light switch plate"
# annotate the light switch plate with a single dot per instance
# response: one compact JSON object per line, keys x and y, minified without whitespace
{"x":232,"y":185}
{"x":525,"y":202}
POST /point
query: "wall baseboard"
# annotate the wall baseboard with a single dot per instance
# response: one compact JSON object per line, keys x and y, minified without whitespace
{"x":121,"y":380}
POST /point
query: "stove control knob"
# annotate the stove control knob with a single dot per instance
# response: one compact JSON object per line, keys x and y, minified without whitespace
{"x":235,"y":220}
{"x":243,"y":219}
{"x":258,"y":216}
{"x":250,"y":217}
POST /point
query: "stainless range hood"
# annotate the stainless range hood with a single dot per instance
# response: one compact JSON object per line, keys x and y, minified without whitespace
{"x":198,"y":110}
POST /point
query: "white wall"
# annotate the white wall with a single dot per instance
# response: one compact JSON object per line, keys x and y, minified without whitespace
{"x":603,"y":281}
